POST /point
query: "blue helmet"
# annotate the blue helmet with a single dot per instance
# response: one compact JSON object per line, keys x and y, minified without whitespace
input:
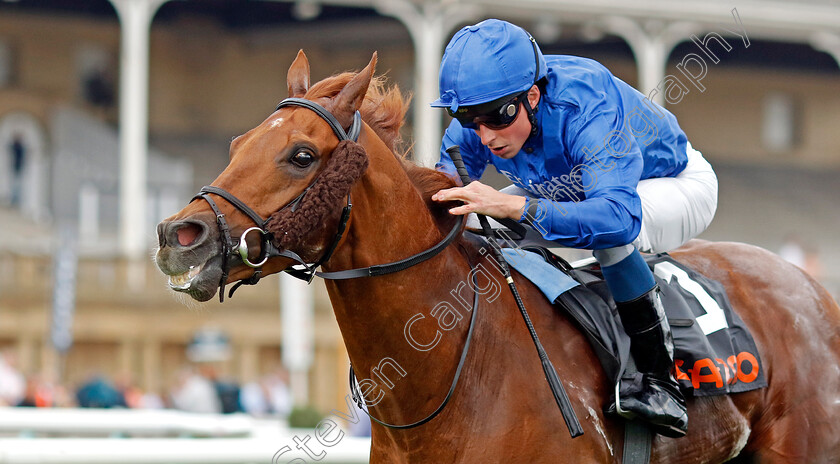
{"x":488,"y":61}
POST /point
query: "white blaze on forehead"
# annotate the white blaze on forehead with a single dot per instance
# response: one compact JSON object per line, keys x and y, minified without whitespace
{"x":276,"y":123}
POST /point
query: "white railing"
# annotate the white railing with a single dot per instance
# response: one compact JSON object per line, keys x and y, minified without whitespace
{"x":124,"y":422}
{"x":175,"y":451}
{"x":64,"y":436}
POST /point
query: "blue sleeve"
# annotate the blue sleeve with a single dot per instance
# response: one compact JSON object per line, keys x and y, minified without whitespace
{"x":607,"y":167}
{"x":472,"y":152}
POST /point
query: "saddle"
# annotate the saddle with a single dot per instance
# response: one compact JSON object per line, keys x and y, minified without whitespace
{"x":714,"y":352}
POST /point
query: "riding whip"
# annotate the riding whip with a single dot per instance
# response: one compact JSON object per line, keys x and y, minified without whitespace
{"x":557,"y":389}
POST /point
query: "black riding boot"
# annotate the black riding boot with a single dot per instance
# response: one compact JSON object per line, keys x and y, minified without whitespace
{"x":659,"y":401}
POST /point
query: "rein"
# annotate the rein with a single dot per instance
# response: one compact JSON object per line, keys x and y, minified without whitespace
{"x":357,"y":395}
{"x":557,"y":390}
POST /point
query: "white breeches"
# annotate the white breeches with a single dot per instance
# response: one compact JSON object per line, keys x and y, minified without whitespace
{"x":677,"y":209}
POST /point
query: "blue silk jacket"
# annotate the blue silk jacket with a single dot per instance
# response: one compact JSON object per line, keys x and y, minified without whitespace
{"x":597,"y":138}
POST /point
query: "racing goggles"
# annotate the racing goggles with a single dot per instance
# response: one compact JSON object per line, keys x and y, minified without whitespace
{"x":495,"y":115}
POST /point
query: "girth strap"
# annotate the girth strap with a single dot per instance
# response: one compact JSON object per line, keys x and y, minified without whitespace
{"x":637,"y":442}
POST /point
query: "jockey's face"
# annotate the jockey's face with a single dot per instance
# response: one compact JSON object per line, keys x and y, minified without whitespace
{"x":506,"y":142}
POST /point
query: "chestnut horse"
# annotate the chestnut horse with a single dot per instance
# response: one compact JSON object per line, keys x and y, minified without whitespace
{"x":405,"y":331}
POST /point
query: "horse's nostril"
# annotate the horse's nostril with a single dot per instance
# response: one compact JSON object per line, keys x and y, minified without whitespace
{"x":187,"y":234}
{"x":181,"y":233}
{"x":161,"y":233}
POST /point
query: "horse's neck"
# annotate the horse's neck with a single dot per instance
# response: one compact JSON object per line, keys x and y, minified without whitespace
{"x":391,"y":222}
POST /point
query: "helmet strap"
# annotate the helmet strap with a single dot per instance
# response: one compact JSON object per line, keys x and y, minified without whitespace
{"x":532,"y":118}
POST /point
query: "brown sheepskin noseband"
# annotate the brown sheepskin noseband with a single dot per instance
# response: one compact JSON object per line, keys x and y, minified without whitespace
{"x":290,"y":226}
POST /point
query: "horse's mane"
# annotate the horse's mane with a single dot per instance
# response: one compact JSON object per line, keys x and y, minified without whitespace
{"x":384,"y":110}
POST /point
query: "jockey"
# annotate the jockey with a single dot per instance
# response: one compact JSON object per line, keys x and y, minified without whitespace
{"x":595,"y":165}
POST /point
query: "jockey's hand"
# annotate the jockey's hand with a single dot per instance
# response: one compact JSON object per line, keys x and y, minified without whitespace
{"x":482,"y":199}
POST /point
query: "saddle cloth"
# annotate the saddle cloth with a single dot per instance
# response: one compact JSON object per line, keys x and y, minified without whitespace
{"x":714,"y":352}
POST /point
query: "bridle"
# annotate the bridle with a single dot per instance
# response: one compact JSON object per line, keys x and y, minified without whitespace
{"x":305,"y":271}
{"x":232,"y":248}
{"x":240,"y":249}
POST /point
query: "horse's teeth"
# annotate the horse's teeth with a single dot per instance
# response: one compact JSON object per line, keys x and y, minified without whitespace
{"x":183,"y":281}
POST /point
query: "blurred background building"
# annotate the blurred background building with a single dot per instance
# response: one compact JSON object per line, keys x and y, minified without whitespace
{"x":756,"y":89}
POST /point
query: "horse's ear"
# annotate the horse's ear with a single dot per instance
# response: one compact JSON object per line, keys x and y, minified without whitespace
{"x":298,"y":76}
{"x":350,"y":99}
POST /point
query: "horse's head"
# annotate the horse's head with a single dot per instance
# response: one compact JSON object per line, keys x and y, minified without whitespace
{"x":289,"y":178}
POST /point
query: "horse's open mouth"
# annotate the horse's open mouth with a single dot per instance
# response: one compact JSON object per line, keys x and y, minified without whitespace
{"x":182,"y":282}
{"x":199,"y":281}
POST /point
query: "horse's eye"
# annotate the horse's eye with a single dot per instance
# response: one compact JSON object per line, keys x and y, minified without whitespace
{"x":302,"y":159}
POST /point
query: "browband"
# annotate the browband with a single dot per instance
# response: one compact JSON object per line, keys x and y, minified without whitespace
{"x":351,"y":134}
